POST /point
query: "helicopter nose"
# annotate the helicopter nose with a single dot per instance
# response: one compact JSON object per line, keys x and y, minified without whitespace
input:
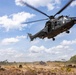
{"x":75,"y":20}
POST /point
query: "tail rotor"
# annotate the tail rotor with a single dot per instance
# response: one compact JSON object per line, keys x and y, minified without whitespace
{"x":30,"y":36}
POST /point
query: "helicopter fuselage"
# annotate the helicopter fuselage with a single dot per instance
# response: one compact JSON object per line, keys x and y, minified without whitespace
{"x":58,"y":25}
{"x":62,"y":24}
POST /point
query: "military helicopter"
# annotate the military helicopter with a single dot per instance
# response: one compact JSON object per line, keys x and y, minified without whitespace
{"x":54,"y":26}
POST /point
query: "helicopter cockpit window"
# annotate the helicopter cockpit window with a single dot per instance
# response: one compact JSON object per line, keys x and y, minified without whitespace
{"x":64,"y":19}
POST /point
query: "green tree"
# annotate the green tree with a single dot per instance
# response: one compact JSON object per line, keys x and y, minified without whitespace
{"x":73,"y":59}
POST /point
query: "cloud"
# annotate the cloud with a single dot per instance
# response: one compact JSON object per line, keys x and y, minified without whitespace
{"x":57,"y":1}
{"x":53,"y":50}
{"x":21,"y":37}
{"x":8,"y":41}
{"x":37,"y":53}
{"x":65,"y":42}
{"x":14,"y":21}
{"x":50,"y":4}
{"x":73,"y":3}
{"x":35,"y":49}
{"x":62,"y":51}
{"x":11,"y":54}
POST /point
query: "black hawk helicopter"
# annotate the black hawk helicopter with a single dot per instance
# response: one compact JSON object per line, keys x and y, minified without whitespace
{"x":53,"y":26}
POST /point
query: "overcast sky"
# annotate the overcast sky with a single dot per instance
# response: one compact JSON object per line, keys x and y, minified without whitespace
{"x":14,"y":43}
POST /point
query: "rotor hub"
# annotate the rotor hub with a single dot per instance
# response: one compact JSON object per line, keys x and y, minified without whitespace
{"x":51,"y":17}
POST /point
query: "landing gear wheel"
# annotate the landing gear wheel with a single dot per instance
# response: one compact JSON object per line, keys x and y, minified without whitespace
{"x":53,"y":39}
{"x":68,"y":32}
{"x":42,"y":37}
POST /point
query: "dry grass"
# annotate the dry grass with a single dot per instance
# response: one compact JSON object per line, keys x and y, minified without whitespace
{"x":36,"y":69}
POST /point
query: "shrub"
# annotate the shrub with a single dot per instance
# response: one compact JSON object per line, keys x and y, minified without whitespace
{"x":20,"y":66}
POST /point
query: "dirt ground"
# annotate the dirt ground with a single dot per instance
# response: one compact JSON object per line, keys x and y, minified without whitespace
{"x":38,"y":69}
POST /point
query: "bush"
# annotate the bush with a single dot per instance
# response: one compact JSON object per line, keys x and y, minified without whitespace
{"x":20,"y":66}
{"x":2,"y":69}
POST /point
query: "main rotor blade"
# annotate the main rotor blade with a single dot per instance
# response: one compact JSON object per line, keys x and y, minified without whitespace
{"x":64,"y":7}
{"x":35,"y":21}
{"x":34,"y":8}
